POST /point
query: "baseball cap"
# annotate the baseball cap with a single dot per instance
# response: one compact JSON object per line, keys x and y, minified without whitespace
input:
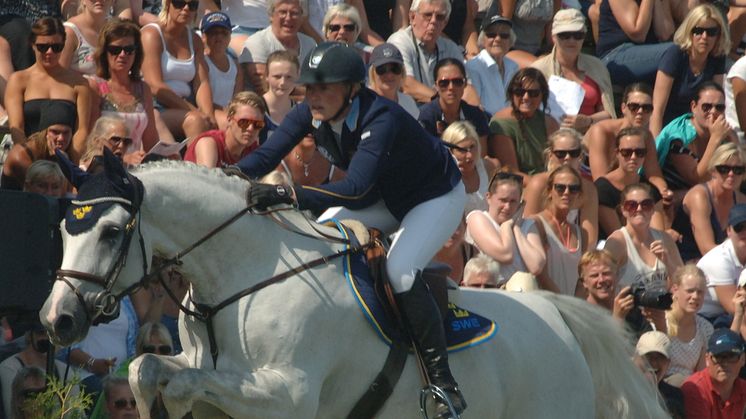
{"x":654,"y":341}
{"x":384,"y":54}
{"x":568,"y":20}
{"x":214,"y":20}
{"x":725,"y":341}
{"x":737,"y":214}
{"x":494,"y":19}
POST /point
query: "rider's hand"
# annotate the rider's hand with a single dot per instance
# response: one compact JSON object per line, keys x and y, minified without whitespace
{"x":263,"y":195}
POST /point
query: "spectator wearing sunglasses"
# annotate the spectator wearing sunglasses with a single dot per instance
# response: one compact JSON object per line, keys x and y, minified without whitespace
{"x":565,"y":148}
{"x":500,"y":233}
{"x":47,"y":84}
{"x":490,"y":71}
{"x":702,"y":217}
{"x":218,"y":148}
{"x":521,"y":130}
{"x":630,"y":155}
{"x":386,"y":76}
{"x":342,"y":23}
{"x":723,"y":266}
{"x":174,"y":67}
{"x":644,"y":254}
{"x":109,"y":132}
{"x":698,"y":55}
{"x":686,"y":145}
{"x":566,"y":61}
{"x":447,"y":106}
{"x":120,"y":402}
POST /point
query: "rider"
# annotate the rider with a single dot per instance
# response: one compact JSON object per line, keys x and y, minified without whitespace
{"x":399,"y":179}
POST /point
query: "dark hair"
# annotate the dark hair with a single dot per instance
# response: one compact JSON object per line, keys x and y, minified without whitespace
{"x":524,"y":75}
{"x":113,"y":30}
{"x":630,"y":132}
{"x":708,"y":85}
{"x":283,"y":55}
{"x":47,"y":26}
{"x":446,"y":62}
{"x":636,"y":187}
{"x":636,"y":87}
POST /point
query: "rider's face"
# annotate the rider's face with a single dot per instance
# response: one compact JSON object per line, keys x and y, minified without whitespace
{"x":326,"y":99}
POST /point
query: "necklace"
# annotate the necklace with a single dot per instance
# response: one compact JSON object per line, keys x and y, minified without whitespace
{"x":306,"y":165}
{"x":565,"y":238}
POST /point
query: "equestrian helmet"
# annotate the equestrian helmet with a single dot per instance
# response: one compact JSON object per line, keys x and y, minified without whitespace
{"x":332,"y":62}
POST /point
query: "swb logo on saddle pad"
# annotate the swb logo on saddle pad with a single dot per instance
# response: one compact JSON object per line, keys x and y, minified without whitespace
{"x":463,"y":328}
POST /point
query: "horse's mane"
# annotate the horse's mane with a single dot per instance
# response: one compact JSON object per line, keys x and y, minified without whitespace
{"x":215,"y":176}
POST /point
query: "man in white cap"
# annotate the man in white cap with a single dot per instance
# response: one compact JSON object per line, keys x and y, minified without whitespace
{"x":654,"y":347}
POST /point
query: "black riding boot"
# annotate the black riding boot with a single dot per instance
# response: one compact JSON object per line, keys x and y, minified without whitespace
{"x":423,"y":320}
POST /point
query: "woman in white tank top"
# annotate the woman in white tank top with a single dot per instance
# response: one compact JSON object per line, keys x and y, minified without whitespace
{"x":175,"y":68}
{"x":81,"y":36}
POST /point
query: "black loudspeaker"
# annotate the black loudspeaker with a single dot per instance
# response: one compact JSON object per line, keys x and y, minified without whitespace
{"x":30,"y":249}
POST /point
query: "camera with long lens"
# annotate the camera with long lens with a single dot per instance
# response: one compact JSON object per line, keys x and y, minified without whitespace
{"x":655,"y":297}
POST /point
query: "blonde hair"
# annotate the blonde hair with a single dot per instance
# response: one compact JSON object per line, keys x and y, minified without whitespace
{"x":597,"y":256}
{"x":163,"y":15}
{"x":689,"y":269}
{"x":103,"y":126}
{"x":481,"y":264}
{"x":725,"y":152}
{"x":346,"y":11}
{"x":556,"y":135}
{"x":272,"y":4}
{"x":459,"y":132}
{"x":149,"y":329}
{"x":246,"y":98}
{"x":683,"y":35}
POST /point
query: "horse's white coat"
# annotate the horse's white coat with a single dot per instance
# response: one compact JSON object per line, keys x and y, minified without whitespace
{"x":302,"y":349}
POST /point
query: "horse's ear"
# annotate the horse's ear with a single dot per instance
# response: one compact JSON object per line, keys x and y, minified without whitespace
{"x":73,"y":173}
{"x":113,"y":166}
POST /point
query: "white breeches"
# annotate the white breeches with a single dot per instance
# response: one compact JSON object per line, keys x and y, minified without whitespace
{"x":422,"y":232}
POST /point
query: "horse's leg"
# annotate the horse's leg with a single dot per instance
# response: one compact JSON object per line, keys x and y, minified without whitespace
{"x":148,"y":373}
{"x":263,"y":393}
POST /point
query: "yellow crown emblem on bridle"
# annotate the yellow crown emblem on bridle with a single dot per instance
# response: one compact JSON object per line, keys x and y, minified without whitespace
{"x":81,"y":212}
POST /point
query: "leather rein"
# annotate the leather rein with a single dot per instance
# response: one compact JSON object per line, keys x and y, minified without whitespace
{"x":106,"y":303}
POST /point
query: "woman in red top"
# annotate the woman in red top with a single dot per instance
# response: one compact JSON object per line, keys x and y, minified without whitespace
{"x":218,"y":148}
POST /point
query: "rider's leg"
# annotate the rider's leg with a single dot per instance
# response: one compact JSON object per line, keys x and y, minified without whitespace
{"x":423,"y":231}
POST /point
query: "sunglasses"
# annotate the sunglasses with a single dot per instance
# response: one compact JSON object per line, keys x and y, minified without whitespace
{"x":179,"y":4}
{"x":160,"y":349}
{"x":43,"y":48}
{"x":561,"y":188}
{"x":483,"y":286}
{"x":723,"y":359}
{"x":739,"y":227}
{"x":707,"y":107}
{"x":116,"y":140}
{"x":388,"y":68}
{"x":117,"y":49}
{"x":578,"y":36}
{"x":627,"y":152}
{"x":122,"y":404}
{"x":698,"y":30}
{"x":348,"y":27}
{"x":501,"y":35}
{"x":440,"y":17}
{"x":631,"y":205}
{"x":724,"y":169}
{"x":457,"y":82}
{"x":634,"y":107}
{"x":562,"y":154}
{"x":245,"y":123}
{"x":464,"y":150}
{"x":531,"y":92}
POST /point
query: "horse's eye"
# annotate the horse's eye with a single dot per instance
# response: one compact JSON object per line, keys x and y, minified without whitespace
{"x":111,"y":233}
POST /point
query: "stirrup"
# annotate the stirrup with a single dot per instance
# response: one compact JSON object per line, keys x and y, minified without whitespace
{"x":437,"y":393}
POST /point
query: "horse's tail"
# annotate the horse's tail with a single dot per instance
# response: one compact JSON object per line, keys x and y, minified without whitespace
{"x":621,"y":389}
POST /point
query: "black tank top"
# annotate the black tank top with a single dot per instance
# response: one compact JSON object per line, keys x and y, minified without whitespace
{"x":610,"y":34}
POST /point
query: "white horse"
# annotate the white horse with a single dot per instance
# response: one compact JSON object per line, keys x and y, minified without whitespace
{"x":301,"y":348}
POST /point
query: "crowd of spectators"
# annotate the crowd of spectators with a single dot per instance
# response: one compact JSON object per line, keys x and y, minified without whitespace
{"x":635,"y":188}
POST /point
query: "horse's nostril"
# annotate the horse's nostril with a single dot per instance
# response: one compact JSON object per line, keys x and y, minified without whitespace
{"x":63,"y":324}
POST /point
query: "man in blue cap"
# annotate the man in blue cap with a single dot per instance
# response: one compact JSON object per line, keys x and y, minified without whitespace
{"x":716,"y":391}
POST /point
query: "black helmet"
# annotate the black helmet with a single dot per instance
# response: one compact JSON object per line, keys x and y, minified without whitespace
{"x":332,"y":62}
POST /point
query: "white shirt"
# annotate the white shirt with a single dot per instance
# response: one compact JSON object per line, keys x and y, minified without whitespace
{"x":409,"y":105}
{"x":246,"y":13}
{"x":419,"y":63}
{"x":317,"y":10}
{"x":258,"y":46}
{"x":721,"y":267}
{"x":737,"y":71}
{"x":484,"y":75}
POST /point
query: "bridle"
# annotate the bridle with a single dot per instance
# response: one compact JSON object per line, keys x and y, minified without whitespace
{"x":106,"y":303}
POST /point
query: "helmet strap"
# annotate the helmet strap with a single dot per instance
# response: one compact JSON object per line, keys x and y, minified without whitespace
{"x":345,"y":104}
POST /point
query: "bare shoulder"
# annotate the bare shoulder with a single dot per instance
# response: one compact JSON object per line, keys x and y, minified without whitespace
{"x":504,"y":113}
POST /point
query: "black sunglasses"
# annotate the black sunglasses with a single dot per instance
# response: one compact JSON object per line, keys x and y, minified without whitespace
{"x":160,"y":349}
{"x":739,"y":227}
{"x":388,"y":68}
{"x":179,"y":4}
{"x":349,"y":27}
{"x":505,"y":176}
{"x":562,"y":154}
{"x":117,"y":49}
{"x":627,"y":152}
{"x":724,"y":169}
{"x":634,"y":107}
{"x":457,"y":82}
{"x":698,"y":30}
{"x":531,"y":92}
{"x":122,"y":403}
{"x":707,"y":107}
{"x":43,"y":48}
{"x":116,"y":140}
{"x":561,"y":188}
{"x":579,"y":36}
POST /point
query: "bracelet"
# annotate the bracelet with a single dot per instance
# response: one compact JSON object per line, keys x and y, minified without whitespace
{"x":89,"y":363}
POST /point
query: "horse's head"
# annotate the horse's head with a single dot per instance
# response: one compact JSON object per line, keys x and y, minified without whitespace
{"x":100,"y":232}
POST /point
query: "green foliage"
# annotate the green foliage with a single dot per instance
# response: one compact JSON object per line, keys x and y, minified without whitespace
{"x":59,"y":401}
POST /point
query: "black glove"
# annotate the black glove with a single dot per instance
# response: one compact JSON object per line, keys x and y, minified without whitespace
{"x":263,"y":195}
